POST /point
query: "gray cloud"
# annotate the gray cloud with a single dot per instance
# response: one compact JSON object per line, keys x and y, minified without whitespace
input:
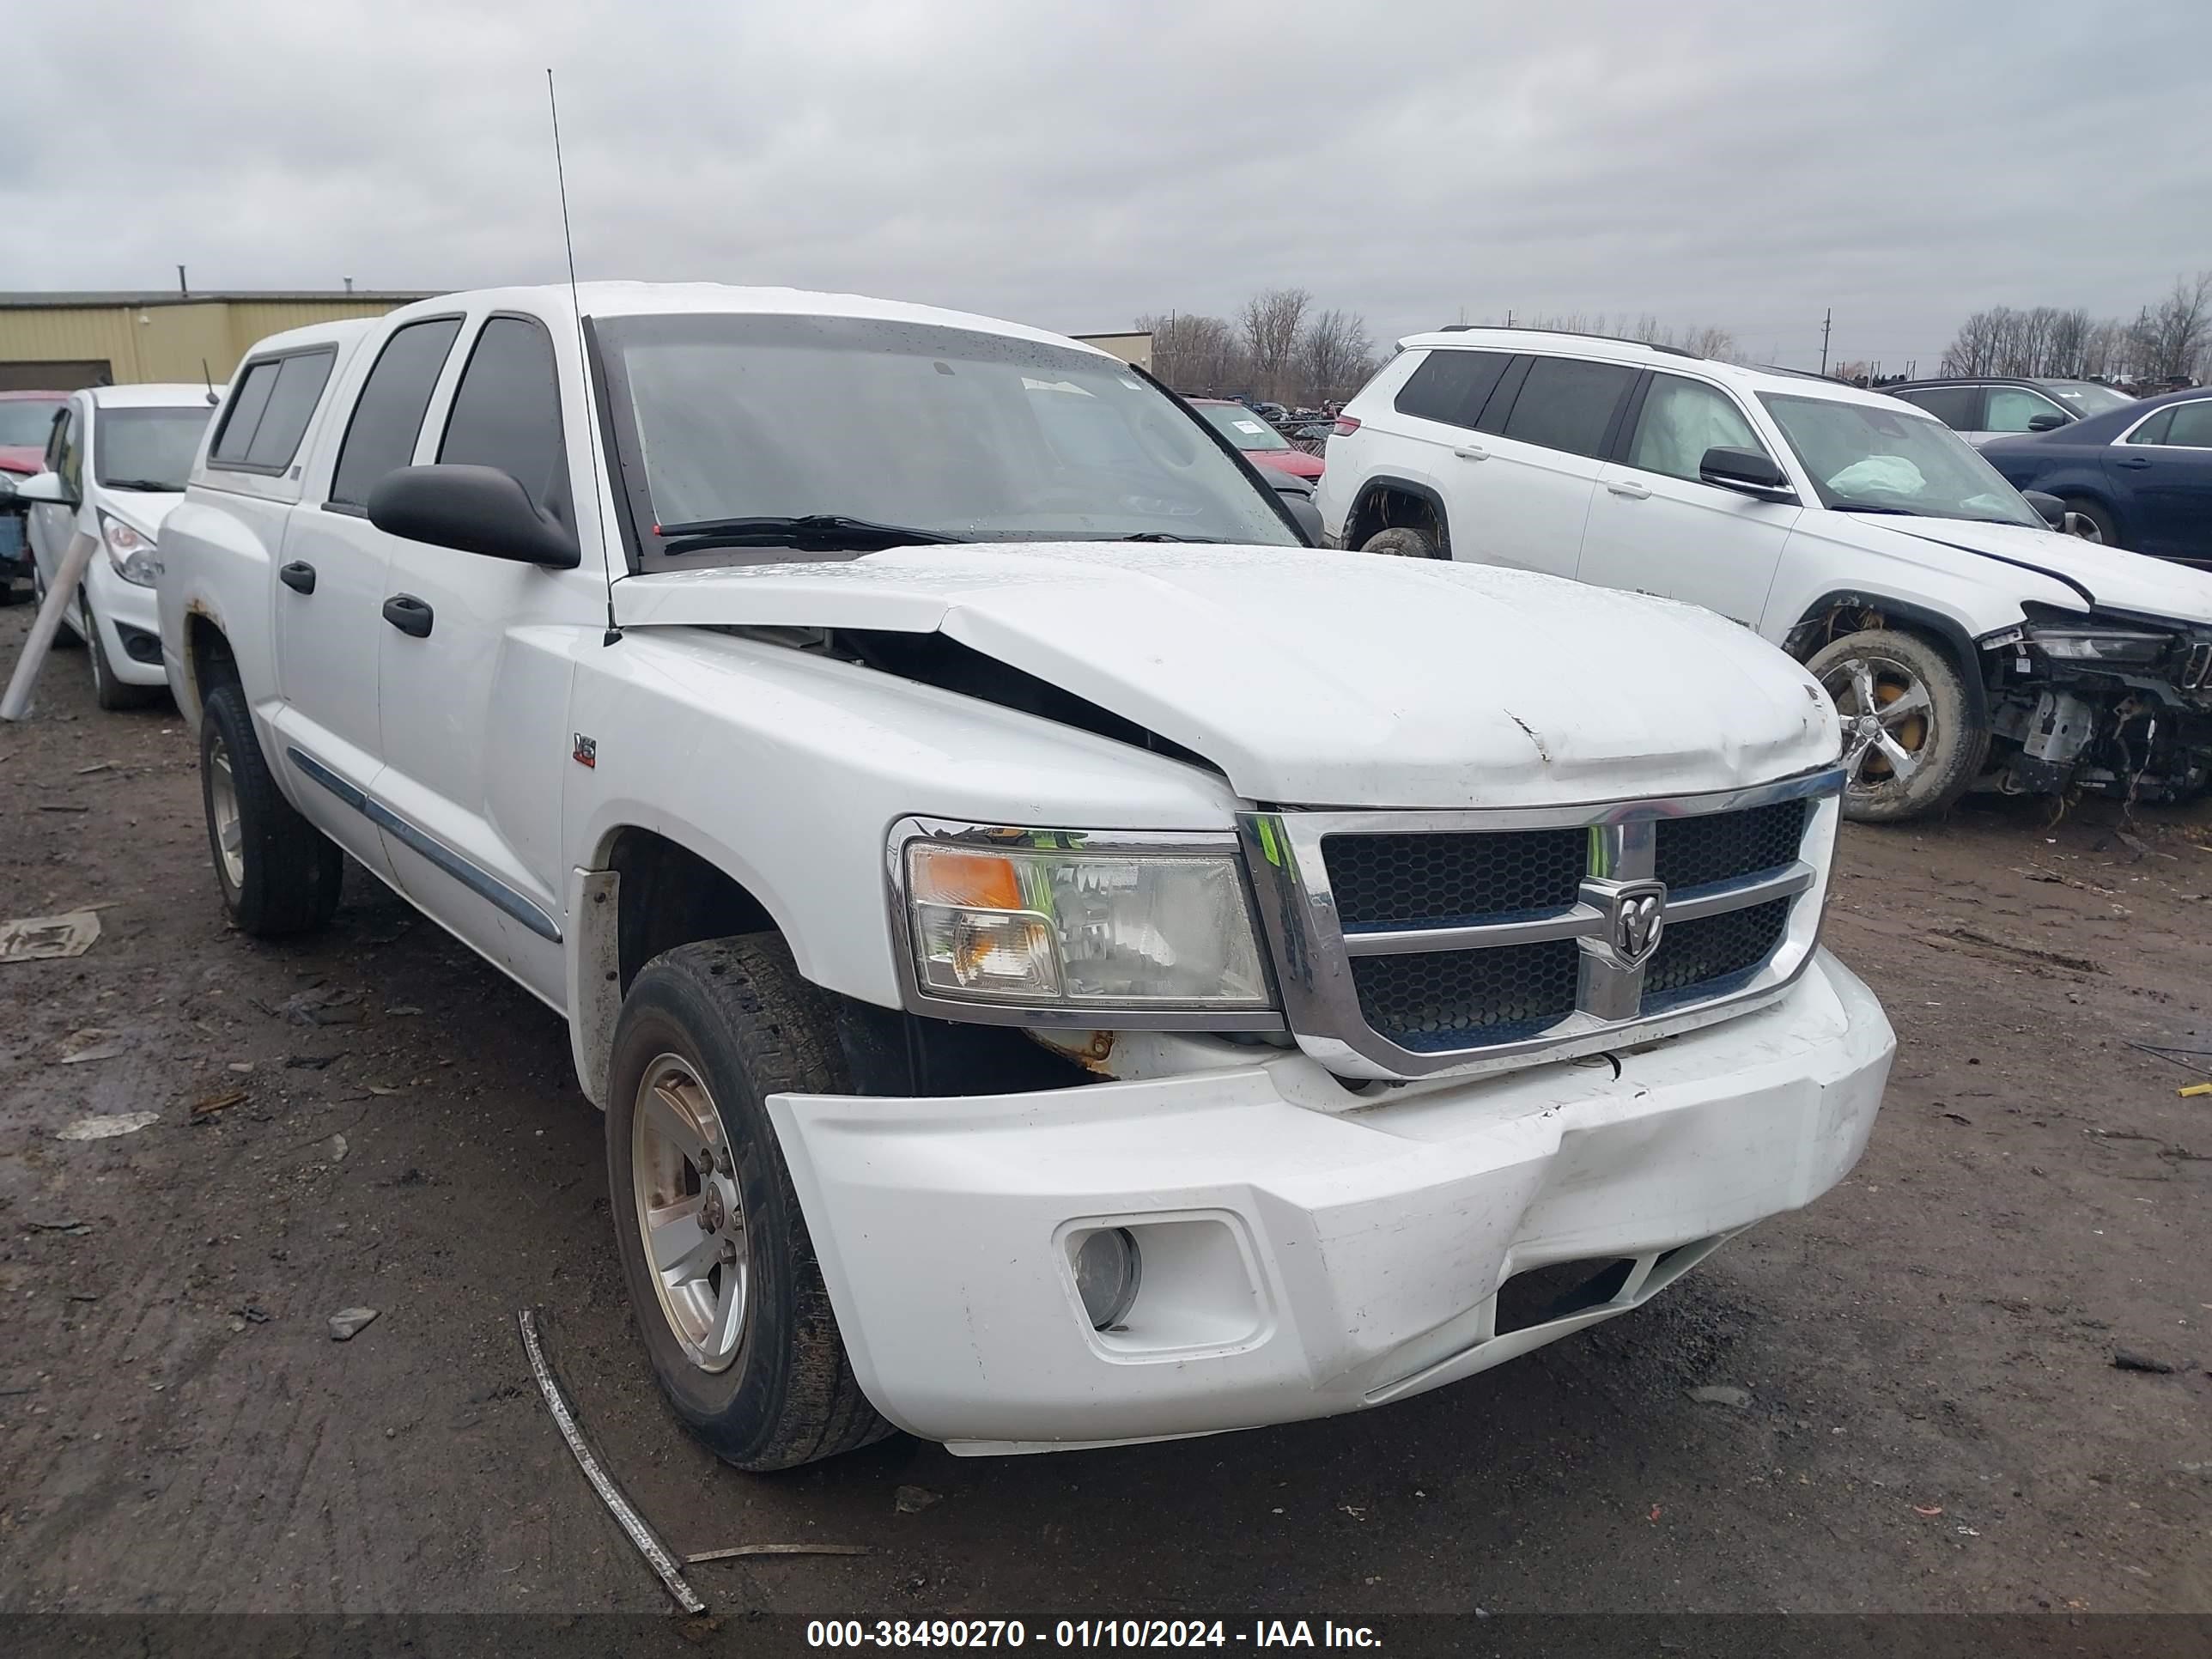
{"x":1073,"y":165}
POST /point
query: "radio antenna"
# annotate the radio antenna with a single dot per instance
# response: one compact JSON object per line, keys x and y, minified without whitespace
{"x":584,"y":363}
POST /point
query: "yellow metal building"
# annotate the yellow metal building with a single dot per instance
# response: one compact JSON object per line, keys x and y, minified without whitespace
{"x":59,"y":342}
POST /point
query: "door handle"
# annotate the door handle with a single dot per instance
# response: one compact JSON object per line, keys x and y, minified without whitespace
{"x":2134,"y":461}
{"x":1630,"y":487}
{"x":299,"y":576}
{"x":408,"y":614}
{"x":1472,"y":453}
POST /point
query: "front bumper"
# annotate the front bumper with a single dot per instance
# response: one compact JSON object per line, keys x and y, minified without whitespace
{"x":1298,"y":1259}
{"x":129,"y":618}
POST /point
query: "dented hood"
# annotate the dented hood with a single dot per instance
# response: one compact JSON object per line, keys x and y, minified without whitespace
{"x":1324,"y":679}
{"x":2109,"y":577}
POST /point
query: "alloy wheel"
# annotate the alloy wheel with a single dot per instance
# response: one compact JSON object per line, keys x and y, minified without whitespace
{"x":690,"y":1213}
{"x":222,"y":803}
{"x":1888,"y":720}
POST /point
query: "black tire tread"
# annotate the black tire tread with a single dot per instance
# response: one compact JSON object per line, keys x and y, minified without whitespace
{"x":783,"y":1029}
{"x":293,"y":871}
{"x":1968,"y":746}
{"x":1401,"y":541}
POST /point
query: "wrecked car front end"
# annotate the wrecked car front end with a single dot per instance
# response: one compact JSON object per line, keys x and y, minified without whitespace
{"x":2110,"y":702}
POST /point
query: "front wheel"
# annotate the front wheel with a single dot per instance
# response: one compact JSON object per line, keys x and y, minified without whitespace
{"x":108,"y":691}
{"x":1910,"y":744}
{"x":279,"y":874}
{"x":2091,"y":522}
{"x":720,"y":1268}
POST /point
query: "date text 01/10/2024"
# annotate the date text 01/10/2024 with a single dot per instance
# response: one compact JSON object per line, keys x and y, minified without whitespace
{"x":1086,"y":1633}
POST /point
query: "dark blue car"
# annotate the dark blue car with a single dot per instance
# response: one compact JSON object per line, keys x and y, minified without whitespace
{"x":2138,"y":477}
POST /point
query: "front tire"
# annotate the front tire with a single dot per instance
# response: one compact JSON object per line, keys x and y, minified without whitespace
{"x":279,"y":874}
{"x":715,"y":1254}
{"x":109,"y":692}
{"x":2091,"y":522}
{"x":1910,"y":744}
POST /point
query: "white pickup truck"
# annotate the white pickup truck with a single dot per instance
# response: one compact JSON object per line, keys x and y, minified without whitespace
{"x":1063,"y":961}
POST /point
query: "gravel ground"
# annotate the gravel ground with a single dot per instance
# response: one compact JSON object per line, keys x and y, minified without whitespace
{"x":1933,"y":1418}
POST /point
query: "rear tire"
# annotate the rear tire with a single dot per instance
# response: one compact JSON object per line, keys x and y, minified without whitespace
{"x":2091,"y":522}
{"x":1400,"y":542}
{"x":279,"y":874}
{"x":1911,"y":745}
{"x":747,"y":1349}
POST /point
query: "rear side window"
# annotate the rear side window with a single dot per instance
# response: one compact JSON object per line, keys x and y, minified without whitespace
{"x":2153,"y":431}
{"x":1957,"y":406}
{"x":1452,"y":386}
{"x":507,"y":413}
{"x":2192,"y":425}
{"x":269,"y":412}
{"x":1568,"y":403}
{"x":387,"y":417}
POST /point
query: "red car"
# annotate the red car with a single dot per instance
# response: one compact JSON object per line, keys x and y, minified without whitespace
{"x":1262,"y":444}
{"x":26,"y":418}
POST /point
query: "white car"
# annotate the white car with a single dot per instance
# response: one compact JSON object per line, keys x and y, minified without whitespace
{"x":1965,"y":642}
{"x":115,"y":466}
{"x":1063,"y":961}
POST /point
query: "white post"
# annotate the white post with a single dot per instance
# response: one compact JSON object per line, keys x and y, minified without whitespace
{"x":60,"y":594}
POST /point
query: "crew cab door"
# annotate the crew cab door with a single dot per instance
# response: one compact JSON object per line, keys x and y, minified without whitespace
{"x":329,"y":583}
{"x":1540,"y":463}
{"x":473,"y":672}
{"x":1654,"y":528}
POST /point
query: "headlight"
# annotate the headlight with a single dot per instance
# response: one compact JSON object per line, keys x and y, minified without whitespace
{"x":1069,"y":920}
{"x":135,"y":557}
{"x":2121,"y":647}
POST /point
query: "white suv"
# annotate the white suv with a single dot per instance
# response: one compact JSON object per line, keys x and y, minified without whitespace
{"x":1965,"y":642}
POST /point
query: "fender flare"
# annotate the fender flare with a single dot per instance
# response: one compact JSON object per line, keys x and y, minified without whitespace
{"x":1370,"y":487}
{"x":1917,"y":617}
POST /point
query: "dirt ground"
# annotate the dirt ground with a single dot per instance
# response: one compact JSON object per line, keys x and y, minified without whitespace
{"x":1934,"y":1421}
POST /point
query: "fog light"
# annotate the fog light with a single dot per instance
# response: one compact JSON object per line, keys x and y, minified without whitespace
{"x":1107,"y":1269}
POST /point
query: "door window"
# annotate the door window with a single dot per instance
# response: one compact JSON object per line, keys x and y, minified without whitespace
{"x":388,"y":416}
{"x":67,"y":449}
{"x":2011,"y":409}
{"x":2192,"y":426}
{"x":1681,"y":421}
{"x":1452,"y":386}
{"x":1569,"y":403}
{"x":507,"y":413}
{"x":1957,"y":406}
{"x":269,"y":415}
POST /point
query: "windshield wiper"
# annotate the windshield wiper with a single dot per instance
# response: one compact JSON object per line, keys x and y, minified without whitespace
{"x":1877,"y":507}
{"x":815,"y":531}
{"x":1162,"y":536}
{"x":161,"y":485}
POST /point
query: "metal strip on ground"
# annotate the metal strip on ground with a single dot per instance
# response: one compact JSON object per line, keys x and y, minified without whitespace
{"x":655,"y":1553}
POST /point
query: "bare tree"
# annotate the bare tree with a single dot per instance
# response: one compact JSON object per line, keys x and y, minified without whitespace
{"x":2171,"y":338}
{"x":1195,"y":353}
{"x":1333,"y":357}
{"x":1271,"y":322}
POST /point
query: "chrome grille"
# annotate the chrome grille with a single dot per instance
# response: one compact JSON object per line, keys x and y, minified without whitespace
{"x":1411,"y":943}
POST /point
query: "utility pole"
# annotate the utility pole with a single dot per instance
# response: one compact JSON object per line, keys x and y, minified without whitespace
{"x":182,"y":287}
{"x":1827,"y":318}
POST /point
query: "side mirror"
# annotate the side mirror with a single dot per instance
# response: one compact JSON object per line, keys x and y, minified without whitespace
{"x":2053,"y":509}
{"x":2049,"y":421}
{"x":46,"y":487}
{"x":471,"y":509}
{"x":1296,"y":495}
{"x":1745,"y":471}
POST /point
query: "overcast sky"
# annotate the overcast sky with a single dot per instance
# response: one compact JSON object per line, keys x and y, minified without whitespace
{"x":1075,"y":165}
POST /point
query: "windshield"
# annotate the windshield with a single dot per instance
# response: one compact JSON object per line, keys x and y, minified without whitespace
{"x":149,"y":449}
{"x":966,"y":435}
{"x":1241,"y":426}
{"x":1866,"y":458}
{"x":25,"y":422}
{"x":2087,"y":397}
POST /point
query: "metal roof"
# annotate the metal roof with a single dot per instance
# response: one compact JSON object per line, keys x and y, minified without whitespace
{"x":83,"y":299}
